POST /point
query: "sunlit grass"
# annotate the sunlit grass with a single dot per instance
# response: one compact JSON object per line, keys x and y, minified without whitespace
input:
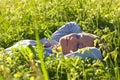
{"x":19,"y":19}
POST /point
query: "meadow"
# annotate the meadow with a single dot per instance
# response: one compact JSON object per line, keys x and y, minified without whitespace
{"x":35,"y":19}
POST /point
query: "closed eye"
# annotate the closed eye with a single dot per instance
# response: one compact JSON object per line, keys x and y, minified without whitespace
{"x":77,"y":46}
{"x":77,"y":36}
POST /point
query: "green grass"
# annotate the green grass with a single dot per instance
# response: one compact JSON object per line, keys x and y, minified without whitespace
{"x":20,"y":19}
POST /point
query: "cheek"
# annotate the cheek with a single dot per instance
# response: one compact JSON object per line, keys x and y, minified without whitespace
{"x":89,"y":43}
{"x":72,"y":48}
{"x":92,"y":43}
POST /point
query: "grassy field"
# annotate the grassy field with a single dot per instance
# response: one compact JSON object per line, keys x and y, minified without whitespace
{"x":23,"y":19}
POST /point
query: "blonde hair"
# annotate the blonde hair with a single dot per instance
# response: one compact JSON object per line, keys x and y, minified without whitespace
{"x":57,"y":49}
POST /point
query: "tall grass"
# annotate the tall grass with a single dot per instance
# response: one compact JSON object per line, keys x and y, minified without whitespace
{"x":19,"y":19}
{"x":41,"y":56}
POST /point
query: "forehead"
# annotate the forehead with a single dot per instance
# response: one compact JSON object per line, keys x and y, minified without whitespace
{"x":74,"y":34}
{"x":77,"y":35}
{"x":84,"y":36}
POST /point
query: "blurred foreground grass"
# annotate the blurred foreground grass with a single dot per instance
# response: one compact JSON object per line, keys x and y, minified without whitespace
{"x":20,"y":18}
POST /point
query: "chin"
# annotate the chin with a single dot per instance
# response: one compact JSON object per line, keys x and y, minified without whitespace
{"x":63,"y":44}
{"x":62,"y":41}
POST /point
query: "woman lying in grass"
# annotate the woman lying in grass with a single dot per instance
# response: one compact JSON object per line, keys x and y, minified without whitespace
{"x":69,"y":40}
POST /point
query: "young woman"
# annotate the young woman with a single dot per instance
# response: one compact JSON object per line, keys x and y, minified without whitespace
{"x":68,"y":39}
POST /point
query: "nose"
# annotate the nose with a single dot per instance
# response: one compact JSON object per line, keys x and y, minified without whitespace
{"x":73,"y":39}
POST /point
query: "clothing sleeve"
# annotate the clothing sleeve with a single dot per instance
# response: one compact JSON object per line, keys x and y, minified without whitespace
{"x":92,"y":52}
{"x":23,"y":43}
{"x":68,"y":28}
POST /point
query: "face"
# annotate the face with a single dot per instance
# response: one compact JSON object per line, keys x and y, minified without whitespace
{"x":74,"y":41}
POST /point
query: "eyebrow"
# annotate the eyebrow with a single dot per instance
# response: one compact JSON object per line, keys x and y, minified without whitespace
{"x":77,"y":36}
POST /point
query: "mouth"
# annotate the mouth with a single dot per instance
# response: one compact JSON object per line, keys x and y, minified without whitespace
{"x":66,"y":41}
